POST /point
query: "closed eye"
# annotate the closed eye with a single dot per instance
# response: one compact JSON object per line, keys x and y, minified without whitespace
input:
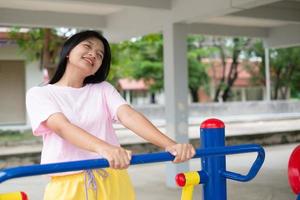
{"x":87,"y":46}
{"x":99,"y":55}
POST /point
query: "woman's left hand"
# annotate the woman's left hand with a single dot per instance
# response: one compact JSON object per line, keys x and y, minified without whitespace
{"x":182,"y":152}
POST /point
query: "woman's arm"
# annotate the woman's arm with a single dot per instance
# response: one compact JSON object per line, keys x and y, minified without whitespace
{"x":117,"y":157}
{"x":136,"y":122}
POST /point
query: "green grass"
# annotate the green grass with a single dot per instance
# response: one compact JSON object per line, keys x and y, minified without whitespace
{"x":15,"y":136}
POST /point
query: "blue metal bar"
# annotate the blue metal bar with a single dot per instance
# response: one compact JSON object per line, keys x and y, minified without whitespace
{"x":215,"y":188}
{"x":33,"y":170}
{"x":252,"y":172}
{"x":203,"y":177}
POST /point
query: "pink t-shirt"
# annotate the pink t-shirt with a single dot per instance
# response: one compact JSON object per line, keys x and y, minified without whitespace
{"x":92,"y":108}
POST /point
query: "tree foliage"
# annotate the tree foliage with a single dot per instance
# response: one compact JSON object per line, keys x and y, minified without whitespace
{"x":197,"y":70}
{"x":143,"y":59}
{"x":140,"y":59}
{"x":284,"y":69}
{"x":229,"y":48}
{"x":39,"y":44}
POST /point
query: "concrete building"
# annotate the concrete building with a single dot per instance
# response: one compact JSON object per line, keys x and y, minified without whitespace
{"x":16,"y":77}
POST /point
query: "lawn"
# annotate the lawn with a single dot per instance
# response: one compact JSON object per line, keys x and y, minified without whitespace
{"x":8,"y":136}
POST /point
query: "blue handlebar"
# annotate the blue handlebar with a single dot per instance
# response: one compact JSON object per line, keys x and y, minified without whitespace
{"x":33,"y":170}
{"x":252,"y":172}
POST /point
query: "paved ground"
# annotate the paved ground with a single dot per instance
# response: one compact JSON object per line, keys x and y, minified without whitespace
{"x":270,"y":184}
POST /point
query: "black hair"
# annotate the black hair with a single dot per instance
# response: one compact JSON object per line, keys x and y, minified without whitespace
{"x":73,"y":41}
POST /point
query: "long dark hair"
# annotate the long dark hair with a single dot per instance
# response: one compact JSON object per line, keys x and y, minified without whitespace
{"x":73,"y":41}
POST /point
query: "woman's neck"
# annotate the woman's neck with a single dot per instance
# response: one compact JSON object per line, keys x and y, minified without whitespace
{"x":71,"y":80}
{"x":67,"y":83}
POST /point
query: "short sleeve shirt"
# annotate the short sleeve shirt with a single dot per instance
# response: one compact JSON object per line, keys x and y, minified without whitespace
{"x":92,"y":107}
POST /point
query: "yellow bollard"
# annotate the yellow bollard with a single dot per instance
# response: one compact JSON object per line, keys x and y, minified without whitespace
{"x":187,"y":192}
{"x":14,"y":196}
{"x":187,"y":180}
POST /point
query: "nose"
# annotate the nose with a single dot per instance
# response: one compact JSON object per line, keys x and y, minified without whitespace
{"x":92,"y":54}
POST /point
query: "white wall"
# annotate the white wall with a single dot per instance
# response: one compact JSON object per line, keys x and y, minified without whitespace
{"x":33,"y":75}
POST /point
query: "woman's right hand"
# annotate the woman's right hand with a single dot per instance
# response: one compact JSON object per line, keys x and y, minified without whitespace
{"x":118,"y":157}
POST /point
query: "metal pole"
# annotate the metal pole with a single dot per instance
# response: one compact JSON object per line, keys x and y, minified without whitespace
{"x":212,"y":135}
{"x":32,"y":170}
{"x":267,"y":74}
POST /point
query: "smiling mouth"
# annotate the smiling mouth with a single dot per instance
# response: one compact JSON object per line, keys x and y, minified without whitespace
{"x":88,"y":60}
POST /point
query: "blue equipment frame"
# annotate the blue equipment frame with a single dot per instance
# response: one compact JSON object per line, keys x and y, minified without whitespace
{"x":212,"y":152}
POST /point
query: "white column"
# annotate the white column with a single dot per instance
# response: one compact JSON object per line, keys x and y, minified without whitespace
{"x":243,"y":91}
{"x":176,"y":91}
{"x":33,"y":77}
{"x":127,"y":95}
{"x":267,"y":73}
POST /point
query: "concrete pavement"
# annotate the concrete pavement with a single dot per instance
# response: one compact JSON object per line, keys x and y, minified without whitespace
{"x":270,"y":184}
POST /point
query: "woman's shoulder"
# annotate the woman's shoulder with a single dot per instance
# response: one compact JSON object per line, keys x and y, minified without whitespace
{"x":104,"y":85}
{"x":37,"y":90}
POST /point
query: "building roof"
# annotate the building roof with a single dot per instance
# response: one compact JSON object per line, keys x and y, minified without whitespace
{"x":131,"y":84}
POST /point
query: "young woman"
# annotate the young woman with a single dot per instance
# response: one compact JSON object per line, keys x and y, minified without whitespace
{"x":74,"y":114}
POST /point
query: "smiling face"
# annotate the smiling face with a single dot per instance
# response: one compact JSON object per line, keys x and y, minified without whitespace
{"x":87,"y":56}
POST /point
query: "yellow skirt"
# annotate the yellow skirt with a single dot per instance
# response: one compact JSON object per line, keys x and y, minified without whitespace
{"x":107,"y":184}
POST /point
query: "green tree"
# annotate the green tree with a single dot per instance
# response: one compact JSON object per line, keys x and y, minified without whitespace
{"x":143,"y":59}
{"x":119,"y":67}
{"x":197,"y":70}
{"x":41,"y":44}
{"x":44,"y":45}
{"x":285,"y":65}
{"x":257,"y":51}
{"x":229,"y":48}
{"x":284,"y":69}
{"x":140,"y":58}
